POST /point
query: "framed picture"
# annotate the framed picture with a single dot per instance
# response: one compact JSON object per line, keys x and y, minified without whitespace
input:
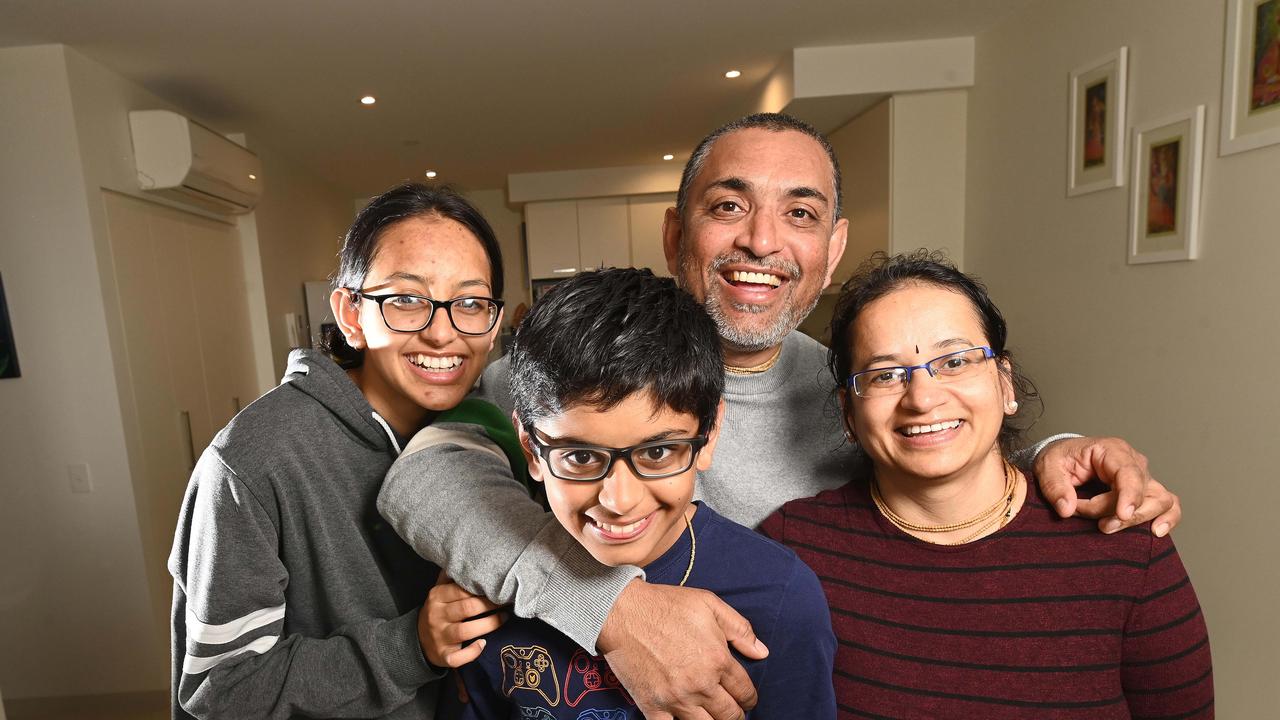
{"x":1251,"y":76}
{"x":1164,"y":206}
{"x":1095,"y":154}
{"x":8,"y":353}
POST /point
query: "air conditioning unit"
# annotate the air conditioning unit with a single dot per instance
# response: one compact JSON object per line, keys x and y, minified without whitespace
{"x":185,"y":161}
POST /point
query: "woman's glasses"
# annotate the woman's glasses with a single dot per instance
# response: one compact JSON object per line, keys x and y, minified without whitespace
{"x":893,"y":380}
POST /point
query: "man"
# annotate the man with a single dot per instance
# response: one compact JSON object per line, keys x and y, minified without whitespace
{"x":755,"y":236}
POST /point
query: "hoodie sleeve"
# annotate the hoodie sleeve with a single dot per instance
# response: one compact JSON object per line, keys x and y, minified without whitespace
{"x":494,"y":540}
{"x":232,"y":658}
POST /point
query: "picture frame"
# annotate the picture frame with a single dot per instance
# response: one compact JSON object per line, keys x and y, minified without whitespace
{"x":1251,"y":76}
{"x":1098,"y":95}
{"x":1164,"y":207}
{"x":8,"y":351}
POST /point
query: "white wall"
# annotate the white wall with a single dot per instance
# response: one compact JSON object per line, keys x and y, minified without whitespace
{"x":1173,"y":357}
{"x":505,"y":222}
{"x":74,"y":610}
{"x":863,"y":148}
{"x":300,"y":224}
{"x":75,"y":617}
{"x":927,"y":172}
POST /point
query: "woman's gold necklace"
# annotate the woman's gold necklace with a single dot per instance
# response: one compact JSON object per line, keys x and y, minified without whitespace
{"x":1001,"y":512}
{"x":754,"y":369}
{"x":693,"y":549}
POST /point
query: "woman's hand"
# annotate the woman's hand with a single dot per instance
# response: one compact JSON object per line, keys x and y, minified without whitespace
{"x":1135,"y":497}
{"x":448,"y":619}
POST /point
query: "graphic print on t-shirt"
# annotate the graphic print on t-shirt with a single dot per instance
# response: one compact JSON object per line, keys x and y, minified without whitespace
{"x":530,"y":669}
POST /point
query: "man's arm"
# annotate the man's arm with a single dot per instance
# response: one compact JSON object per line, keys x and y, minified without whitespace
{"x":456,"y":503}
{"x":232,"y":658}
{"x":452,"y":498}
{"x":1062,"y":463}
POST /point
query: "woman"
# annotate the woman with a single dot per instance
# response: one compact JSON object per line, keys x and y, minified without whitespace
{"x":291,"y":596}
{"x":955,"y":590}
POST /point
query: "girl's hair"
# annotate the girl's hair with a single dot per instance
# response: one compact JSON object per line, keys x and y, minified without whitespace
{"x":403,"y":202}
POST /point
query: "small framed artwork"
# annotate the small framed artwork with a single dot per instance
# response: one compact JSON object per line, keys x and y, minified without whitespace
{"x":8,"y":353}
{"x":1095,"y":146}
{"x":1251,"y":76}
{"x":1164,"y":206}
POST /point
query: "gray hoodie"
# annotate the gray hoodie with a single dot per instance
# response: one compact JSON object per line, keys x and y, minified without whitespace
{"x":292,"y":597}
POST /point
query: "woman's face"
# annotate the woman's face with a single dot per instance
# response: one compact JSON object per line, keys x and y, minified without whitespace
{"x":409,"y":374}
{"x":911,"y":326}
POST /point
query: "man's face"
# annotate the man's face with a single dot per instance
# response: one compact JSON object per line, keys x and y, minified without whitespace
{"x":759,"y":238}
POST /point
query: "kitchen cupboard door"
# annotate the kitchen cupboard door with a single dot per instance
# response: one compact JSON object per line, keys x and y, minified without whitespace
{"x":551,"y":229}
{"x":604,"y":238}
{"x":645,"y":215}
{"x":222,"y":313}
{"x":160,"y":422}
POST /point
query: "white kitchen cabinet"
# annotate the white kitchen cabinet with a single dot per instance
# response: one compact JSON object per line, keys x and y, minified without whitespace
{"x":552,"y":232}
{"x":644,"y":216}
{"x":604,"y":238}
{"x":567,"y":236}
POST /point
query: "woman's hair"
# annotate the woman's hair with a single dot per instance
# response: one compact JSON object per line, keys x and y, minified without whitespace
{"x":403,"y":202}
{"x":882,"y":274}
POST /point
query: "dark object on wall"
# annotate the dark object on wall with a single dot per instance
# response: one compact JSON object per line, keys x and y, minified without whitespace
{"x":8,"y":352}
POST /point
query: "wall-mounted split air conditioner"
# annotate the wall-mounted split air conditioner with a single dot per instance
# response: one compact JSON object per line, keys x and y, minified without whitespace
{"x":187,"y":162}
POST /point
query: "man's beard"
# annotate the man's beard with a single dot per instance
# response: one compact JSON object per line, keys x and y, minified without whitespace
{"x":746,"y":339}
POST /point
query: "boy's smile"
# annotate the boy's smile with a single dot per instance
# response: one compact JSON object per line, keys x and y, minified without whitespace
{"x":622,"y":518}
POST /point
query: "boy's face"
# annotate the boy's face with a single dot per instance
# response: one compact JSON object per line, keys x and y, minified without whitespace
{"x":621,"y":519}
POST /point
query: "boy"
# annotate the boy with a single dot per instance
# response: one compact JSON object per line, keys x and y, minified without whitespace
{"x":617,"y":377}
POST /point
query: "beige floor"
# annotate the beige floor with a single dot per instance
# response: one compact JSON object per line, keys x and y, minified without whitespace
{"x":133,"y":706}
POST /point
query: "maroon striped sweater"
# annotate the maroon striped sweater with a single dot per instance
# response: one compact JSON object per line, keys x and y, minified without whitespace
{"x":1047,"y":618}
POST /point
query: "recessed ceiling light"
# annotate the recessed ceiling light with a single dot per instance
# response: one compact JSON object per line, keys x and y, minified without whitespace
{"x":668,"y":156}
{"x":431,"y":173}
{"x":252,"y":176}
{"x":368,"y":100}
{"x":733,"y":73}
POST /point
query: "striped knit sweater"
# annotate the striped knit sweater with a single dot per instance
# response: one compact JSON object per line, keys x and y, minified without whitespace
{"x":1047,"y":618}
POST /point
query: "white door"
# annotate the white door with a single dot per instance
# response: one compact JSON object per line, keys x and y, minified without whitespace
{"x":183,"y":312}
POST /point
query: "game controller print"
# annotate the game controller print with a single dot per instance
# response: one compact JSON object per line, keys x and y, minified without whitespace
{"x":601,"y":714}
{"x":530,"y":669}
{"x":536,"y":713}
{"x":588,"y":674}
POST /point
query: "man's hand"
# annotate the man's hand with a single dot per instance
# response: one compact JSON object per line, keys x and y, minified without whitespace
{"x":445,"y":624}
{"x":669,"y":647}
{"x":1135,"y":497}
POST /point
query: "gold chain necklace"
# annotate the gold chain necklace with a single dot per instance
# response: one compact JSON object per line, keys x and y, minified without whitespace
{"x":693,"y":549}
{"x":984,"y":519}
{"x":754,"y":369}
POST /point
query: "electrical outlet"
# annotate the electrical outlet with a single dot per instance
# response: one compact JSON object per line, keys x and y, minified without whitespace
{"x":78,"y":474}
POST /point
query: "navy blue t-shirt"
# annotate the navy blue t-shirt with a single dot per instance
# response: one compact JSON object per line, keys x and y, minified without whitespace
{"x":530,"y":671}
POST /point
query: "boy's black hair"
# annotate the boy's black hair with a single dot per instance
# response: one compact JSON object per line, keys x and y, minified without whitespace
{"x":601,"y":336}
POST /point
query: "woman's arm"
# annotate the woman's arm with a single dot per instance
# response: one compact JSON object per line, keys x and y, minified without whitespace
{"x":1167,"y":670}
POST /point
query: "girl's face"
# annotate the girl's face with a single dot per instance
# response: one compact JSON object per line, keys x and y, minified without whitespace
{"x":934,"y":430}
{"x":407,"y":376}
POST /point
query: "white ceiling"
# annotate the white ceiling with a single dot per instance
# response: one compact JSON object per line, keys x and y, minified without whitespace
{"x":475,"y":89}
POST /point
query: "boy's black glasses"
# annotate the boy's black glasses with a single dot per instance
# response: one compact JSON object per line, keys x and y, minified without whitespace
{"x":588,"y":463}
{"x":402,"y":312}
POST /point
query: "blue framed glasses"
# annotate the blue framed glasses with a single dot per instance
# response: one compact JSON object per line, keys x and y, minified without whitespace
{"x":945,"y":368}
